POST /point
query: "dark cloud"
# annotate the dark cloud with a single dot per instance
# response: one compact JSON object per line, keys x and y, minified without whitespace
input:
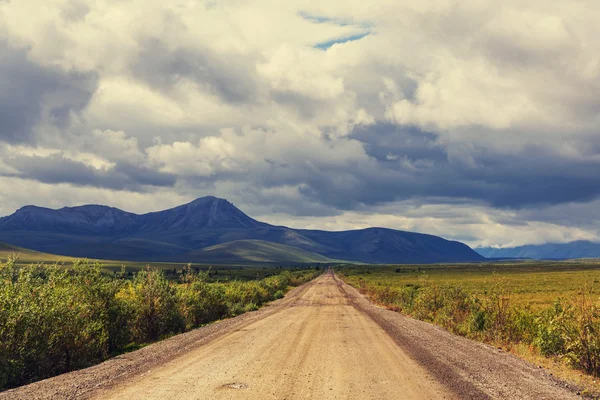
{"x":30,"y":93}
{"x":383,"y":140}
{"x":145,"y":176}
{"x":414,"y":164}
{"x":228,"y":76}
{"x":305,"y":106}
{"x":59,"y":169}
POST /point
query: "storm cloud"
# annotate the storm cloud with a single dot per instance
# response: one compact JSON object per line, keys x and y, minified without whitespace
{"x":477,"y":122}
{"x":31,"y":94}
{"x":59,"y":169}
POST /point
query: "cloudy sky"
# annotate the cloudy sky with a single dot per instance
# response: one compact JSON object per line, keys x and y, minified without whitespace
{"x":477,"y":121}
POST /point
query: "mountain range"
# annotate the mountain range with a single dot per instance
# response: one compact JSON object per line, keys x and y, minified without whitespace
{"x":548,"y":251}
{"x":211,"y":229}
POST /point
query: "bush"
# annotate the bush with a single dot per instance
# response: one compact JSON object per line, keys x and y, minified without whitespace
{"x":54,"y":320}
{"x":550,"y":335}
{"x":199,"y":301}
{"x":153,"y":301}
{"x":582,"y":336}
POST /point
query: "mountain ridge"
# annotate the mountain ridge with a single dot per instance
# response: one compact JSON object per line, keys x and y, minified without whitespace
{"x":557,"y":251}
{"x":178,"y":233}
{"x":93,"y":218}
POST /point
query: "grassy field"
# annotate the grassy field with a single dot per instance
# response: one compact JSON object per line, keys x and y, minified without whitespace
{"x":533,"y":284}
{"x":538,"y":310}
{"x":27,"y":256}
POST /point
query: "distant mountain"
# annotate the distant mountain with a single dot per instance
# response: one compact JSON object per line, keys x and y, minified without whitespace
{"x":577,"y":249}
{"x":178,"y":234}
{"x":206,"y":212}
{"x":89,"y":219}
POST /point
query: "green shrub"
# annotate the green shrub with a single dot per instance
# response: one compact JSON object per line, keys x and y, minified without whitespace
{"x":582,"y":336}
{"x":54,"y":320}
{"x":200,"y":302}
{"x":550,"y":334}
{"x":153,"y":300}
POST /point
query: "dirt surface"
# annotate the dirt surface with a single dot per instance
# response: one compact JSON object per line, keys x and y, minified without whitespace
{"x":322,"y":341}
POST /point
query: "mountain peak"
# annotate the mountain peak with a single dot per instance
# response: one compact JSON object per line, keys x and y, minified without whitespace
{"x":32,"y":208}
{"x":204,"y":212}
{"x":206,"y":199}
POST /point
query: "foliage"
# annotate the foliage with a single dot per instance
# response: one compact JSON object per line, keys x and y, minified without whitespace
{"x":54,"y":319}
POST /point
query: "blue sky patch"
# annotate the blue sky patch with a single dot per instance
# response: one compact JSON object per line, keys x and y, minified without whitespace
{"x":329,"y":43}
{"x":318,"y":19}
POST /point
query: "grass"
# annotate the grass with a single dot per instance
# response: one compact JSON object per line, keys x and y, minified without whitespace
{"x":27,"y":256}
{"x":531,"y":284}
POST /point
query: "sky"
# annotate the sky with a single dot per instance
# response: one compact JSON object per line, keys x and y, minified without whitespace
{"x":476,"y":121}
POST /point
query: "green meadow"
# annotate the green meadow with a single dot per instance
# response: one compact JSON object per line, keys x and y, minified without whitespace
{"x":532,"y":284}
{"x":552,"y":308}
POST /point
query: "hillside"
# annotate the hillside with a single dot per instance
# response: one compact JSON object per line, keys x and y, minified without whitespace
{"x":256,"y":251}
{"x":556,"y":251}
{"x":29,"y":256}
{"x":177,"y":234}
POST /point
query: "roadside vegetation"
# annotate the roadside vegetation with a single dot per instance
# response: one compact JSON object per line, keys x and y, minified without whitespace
{"x":552,"y":309}
{"x":55,"y":319}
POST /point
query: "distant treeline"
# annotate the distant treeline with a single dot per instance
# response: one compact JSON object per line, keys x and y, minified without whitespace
{"x":55,"y":319}
{"x":569,"y":329}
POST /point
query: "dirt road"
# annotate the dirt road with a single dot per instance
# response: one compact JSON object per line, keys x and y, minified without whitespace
{"x":323,"y":341}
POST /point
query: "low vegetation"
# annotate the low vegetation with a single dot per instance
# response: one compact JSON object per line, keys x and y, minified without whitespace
{"x":484,"y":307}
{"x":55,"y":319}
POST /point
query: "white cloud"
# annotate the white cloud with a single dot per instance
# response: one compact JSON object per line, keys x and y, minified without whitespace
{"x":86,"y":158}
{"x":115,"y":145}
{"x":301,"y":71}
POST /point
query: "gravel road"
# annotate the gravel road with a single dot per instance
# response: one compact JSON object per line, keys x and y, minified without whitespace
{"x":322,"y":341}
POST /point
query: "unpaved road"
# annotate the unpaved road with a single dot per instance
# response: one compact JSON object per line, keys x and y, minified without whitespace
{"x":323,"y":341}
